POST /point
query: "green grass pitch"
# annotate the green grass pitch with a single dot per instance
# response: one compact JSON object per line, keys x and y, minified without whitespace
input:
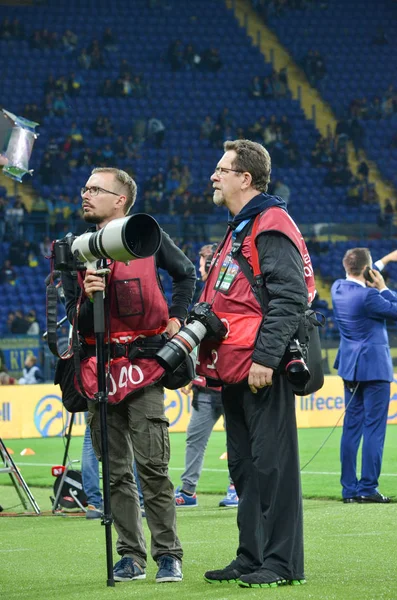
{"x":350,"y":549}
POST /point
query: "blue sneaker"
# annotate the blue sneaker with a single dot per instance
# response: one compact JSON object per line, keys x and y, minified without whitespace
{"x":231,"y":498}
{"x":170,"y":569}
{"x":182,"y":499}
{"x":127,"y":569}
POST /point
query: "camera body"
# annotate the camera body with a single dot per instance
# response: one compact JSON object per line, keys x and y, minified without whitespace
{"x":202,"y":322}
{"x":296,"y":369}
{"x":64,"y":259}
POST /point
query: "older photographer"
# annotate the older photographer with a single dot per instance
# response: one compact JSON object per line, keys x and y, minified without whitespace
{"x":136,"y":312}
{"x":361,"y":303}
{"x":258,"y":400}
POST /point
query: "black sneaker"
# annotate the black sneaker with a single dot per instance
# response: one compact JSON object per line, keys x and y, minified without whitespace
{"x":376,"y":498}
{"x":230,"y":574}
{"x":264,"y":578}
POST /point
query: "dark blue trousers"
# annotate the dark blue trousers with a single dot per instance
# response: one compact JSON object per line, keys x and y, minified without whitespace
{"x":366,"y":419}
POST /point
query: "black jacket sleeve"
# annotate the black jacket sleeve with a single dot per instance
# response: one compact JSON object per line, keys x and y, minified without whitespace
{"x":183,"y":274}
{"x":282,"y":268}
{"x":169,"y":257}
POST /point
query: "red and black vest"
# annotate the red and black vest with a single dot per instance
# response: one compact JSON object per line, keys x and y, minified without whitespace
{"x":229,"y":360}
{"x":137,"y":308}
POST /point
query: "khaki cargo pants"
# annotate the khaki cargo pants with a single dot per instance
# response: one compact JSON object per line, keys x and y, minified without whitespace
{"x":138,"y":429}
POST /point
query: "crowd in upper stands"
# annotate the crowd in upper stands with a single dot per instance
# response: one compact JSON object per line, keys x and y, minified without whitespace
{"x":101,"y":141}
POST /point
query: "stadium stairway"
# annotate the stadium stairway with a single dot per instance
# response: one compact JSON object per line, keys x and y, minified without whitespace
{"x":311,"y":102}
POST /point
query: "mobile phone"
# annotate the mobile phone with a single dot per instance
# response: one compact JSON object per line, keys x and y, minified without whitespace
{"x":367,"y":274}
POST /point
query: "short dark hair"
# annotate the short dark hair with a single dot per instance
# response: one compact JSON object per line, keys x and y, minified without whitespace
{"x":356,"y":259}
{"x":254,"y":158}
{"x":126,"y":181}
{"x":207,"y":250}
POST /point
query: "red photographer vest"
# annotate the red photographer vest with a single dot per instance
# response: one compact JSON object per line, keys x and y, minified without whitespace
{"x":229,"y":360}
{"x":137,"y":308}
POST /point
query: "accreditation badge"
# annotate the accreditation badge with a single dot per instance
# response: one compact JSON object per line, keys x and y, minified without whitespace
{"x":227,"y":274}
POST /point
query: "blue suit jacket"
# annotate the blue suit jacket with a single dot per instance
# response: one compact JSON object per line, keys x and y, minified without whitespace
{"x":364,"y":353}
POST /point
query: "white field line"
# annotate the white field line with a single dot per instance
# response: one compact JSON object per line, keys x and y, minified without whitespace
{"x":22,"y":464}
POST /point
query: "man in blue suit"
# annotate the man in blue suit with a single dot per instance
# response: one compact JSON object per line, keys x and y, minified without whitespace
{"x":365,"y":365}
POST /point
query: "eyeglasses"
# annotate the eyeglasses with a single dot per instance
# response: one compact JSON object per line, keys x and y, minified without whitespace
{"x":223,"y":171}
{"x":94,"y":190}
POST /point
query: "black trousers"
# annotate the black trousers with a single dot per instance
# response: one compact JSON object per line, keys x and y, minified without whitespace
{"x":263,"y":461}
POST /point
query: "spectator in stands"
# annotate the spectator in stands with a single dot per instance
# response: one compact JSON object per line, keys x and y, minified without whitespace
{"x":369,"y":193}
{"x":210,"y":60}
{"x":31,"y":372}
{"x":206,"y":127}
{"x":119,"y":147}
{"x":84,"y":59}
{"x":77,"y":135}
{"x":255,"y":89}
{"x":127,"y":85}
{"x":216,"y":136}
{"x":97,"y":60}
{"x":267,"y":88}
{"x":106,"y":89}
{"x":281,"y":189}
{"x":175,"y":55}
{"x":131,"y":148}
{"x":139,"y":88}
{"x":74,"y":83}
{"x":34,"y":327}
{"x":357,"y":134}
{"x":139,"y":130}
{"x":102,"y":127}
{"x":175,"y":162}
{"x":8,"y":273}
{"x":387,"y":218}
{"x":109,"y":40}
{"x":45,"y":247}
{"x":14,"y":216}
{"x":6,"y":29}
{"x":156,"y":131}
{"x":69,"y":41}
{"x":107,"y":154}
{"x":17,"y":322}
{"x":59,"y":106}
{"x":256,"y":130}
{"x":190,"y":57}
{"x":363,"y":170}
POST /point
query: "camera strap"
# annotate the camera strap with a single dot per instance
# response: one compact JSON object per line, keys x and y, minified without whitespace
{"x":254,"y":274}
{"x":73,"y":351}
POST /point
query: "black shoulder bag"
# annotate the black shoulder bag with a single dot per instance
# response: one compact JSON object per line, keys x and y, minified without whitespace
{"x":307,"y":334}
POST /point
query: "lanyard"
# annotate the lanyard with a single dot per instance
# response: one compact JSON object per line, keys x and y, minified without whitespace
{"x":239,"y":228}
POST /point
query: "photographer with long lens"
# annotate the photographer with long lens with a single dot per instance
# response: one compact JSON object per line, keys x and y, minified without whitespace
{"x":137,"y":318}
{"x":248,"y":358}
